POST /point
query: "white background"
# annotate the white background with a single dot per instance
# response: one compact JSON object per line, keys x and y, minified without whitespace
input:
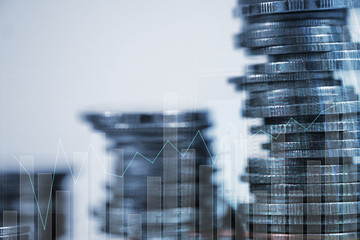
{"x":59,"y":58}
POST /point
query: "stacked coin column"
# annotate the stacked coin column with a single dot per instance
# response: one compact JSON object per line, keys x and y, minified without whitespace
{"x":307,"y":188}
{"x":35,"y":204}
{"x":137,"y":208}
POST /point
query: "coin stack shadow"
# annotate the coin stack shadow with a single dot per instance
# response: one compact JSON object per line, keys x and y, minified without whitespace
{"x":307,"y":188}
{"x":154,"y":192}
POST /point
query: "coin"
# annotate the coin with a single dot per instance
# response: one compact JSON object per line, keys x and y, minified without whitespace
{"x":265,"y":162}
{"x":309,"y":189}
{"x":284,"y":77}
{"x":293,"y":40}
{"x":301,"y":220}
{"x":343,"y":152}
{"x":301,"y":209}
{"x":288,"y":85}
{"x":293,"y":31}
{"x":304,"y":48}
{"x":323,"y":169}
{"x":271,"y":7}
{"x":320,"y":145}
{"x":301,"y":178}
{"x":310,"y":228}
{"x":282,"y":236}
{"x":143,"y":138}
{"x":295,"y":23}
{"x":296,"y":127}
{"x":302,"y":109}
{"x":350,"y":64}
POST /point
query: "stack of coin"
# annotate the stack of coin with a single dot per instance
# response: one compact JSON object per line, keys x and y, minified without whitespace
{"x":16,"y":233}
{"x":308,"y":187}
{"x":162,"y":174}
{"x":34,"y":204}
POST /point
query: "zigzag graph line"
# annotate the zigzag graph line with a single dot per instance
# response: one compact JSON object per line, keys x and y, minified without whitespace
{"x":182,"y":154}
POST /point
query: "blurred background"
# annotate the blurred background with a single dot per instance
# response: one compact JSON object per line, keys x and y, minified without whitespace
{"x":59,"y":58}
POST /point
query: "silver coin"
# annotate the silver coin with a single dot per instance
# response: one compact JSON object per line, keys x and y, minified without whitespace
{"x":301,"y":209}
{"x":304,"y":48}
{"x":301,"y":220}
{"x":10,"y":230}
{"x":349,"y":152}
{"x":260,"y":87}
{"x":318,"y":136}
{"x":258,"y":162}
{"x":337,"y":14}
{"x":310,"y":228}
{"x":283,"y":6}
{"x":293,"y":40}
{"x":327,"y":99}
{"x":302,"y":109}
{"x":290,"y":197}
{"x":277,"y":198}
{"x":330,"y":144}
{"x":304,"y":92}
{"x":284,"y":236}
{"x":346,"y":117}
{"x":323,"y":169}
{"x":300,"y":178}
{"x":283,"y":77}
{"x":343,"y":54}
{"x":295,"y":23}
{"x":296,"y":127}
{"x":119,"y":215}
{"x":294,"y":31}
{"x":309,"y":189}
{"x":170,"y":119}
{"x":23,"y":236}
{"x":301,"y":66}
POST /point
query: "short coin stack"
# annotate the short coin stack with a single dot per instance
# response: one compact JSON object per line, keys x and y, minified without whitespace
{"x":308,"y":188}
{"x":16,"y":233}
{"x":154,"y":192}
{"x":25,"y":208}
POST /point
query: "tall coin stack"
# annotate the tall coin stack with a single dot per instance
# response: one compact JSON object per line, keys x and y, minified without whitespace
{"x":162,"y":175}
{"x":308,"y":187}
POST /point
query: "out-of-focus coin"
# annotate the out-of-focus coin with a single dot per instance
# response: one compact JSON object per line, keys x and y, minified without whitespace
{"x":298,"y":209}
{"x":284,"y":236}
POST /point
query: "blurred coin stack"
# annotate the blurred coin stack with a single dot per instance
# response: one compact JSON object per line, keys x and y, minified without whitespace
{"x":308,"y":187}
{"x":155,"y":192}
{"x":41,"y":216}
{"x":16,"y":233}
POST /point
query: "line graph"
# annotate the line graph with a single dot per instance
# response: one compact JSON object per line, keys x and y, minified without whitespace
{"x":91,"y":148}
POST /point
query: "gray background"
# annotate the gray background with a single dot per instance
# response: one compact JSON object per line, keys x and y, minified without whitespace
{"x":59,"y":58}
